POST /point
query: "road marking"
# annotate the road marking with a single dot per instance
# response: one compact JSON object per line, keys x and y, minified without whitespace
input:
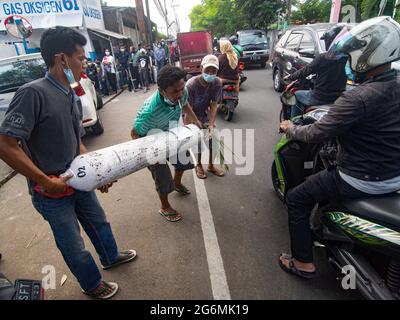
{"x":219,"y":284}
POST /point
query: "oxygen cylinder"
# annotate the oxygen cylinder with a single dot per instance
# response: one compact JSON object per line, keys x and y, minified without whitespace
{"x":98,"y":168}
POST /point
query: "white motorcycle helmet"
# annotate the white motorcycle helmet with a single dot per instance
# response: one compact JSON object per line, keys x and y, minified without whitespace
{"x":370,"y":44}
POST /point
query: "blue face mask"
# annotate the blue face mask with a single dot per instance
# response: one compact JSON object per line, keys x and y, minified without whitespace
{"x":209,"y":77}
{"x":70,"y":77}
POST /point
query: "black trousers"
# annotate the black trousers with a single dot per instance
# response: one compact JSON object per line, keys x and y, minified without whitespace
{"x":322,"y":187}
{"x":112,"y":79}
{"x":135,"y":75}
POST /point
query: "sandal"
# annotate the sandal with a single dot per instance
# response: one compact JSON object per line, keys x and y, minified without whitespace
{"x":182,"y":190}
{"x":216,"y":172}
{"x":104,"y":291}
{"x":171,"y":216}
{"x":292,"y":268}
{"x":200,"y":172}
{"x":123,"y":257}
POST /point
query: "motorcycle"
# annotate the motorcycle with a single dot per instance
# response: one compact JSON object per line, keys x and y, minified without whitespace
{"x":230,"y":100}
{"x":362,"y":234}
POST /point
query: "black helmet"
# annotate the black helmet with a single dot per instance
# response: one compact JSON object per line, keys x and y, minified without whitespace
{"x":233,"y":40}
{"x":332,"y":33}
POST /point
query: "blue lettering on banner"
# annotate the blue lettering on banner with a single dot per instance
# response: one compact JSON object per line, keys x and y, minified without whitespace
{"x":41,"y":7}
{"x":92,"y":13}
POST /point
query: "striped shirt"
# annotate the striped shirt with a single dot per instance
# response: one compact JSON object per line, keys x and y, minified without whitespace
{"x":155,"y":113}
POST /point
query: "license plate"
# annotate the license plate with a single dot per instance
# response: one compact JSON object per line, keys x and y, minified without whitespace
{"x":28,"y":290}
{"x":255,"y":58}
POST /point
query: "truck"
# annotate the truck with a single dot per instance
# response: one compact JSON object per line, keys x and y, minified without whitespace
{"x":193,"y":47}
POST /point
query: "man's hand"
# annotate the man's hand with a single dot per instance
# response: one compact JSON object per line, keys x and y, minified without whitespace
{"x":104,"y":189}
{"x":286,"y":125}
{"x":211,"y":128}
{"x":54,"y":185}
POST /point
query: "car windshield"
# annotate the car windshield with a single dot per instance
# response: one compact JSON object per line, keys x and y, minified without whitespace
{"x":15,"y":74}
{"x":252,"y":38}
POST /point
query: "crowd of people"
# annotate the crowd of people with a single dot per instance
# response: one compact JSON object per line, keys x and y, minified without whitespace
{"x":137,"y":67}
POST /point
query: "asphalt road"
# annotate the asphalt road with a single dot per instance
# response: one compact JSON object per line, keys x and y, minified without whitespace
{"x":173,"y":263}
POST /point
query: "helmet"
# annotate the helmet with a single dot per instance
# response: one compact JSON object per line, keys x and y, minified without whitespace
{"x":233,"y":40}
{"x":332,"y":33}
{"x":370,"y":44}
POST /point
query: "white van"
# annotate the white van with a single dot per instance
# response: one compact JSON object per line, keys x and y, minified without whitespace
{"x":19,"y":70}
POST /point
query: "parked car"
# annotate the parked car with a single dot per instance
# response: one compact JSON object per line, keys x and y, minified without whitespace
{"x":19,"y":70}
{"x":255,"y":46}
{"x":296,"y":48}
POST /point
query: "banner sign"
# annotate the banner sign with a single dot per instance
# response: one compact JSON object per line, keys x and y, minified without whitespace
{"x":44,"y":14}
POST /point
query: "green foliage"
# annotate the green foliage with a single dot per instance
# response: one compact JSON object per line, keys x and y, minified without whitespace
{"x":225,"y":17}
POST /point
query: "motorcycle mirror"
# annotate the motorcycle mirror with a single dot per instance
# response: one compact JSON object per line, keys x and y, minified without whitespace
{"x":18,"y":27}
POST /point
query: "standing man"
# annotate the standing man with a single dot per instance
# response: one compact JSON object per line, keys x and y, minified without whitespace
{"x":159,"y":55}
{"x":44,"y":119}
{"x":110,"y":70}
{"x":144,"y":69}
{"x":205,"y":92}
{"x":135,"y":67}
{"x":166,"y":49}
{"x":163,"y":111}
{"x":123,"y":59}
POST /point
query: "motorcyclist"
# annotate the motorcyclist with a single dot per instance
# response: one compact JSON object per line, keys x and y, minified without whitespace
{"x":330,"y":79}
{"x":236,"y":47}
{"x":366,"y":125}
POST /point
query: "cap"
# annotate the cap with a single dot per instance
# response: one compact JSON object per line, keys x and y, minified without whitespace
{"x":210,"y":61}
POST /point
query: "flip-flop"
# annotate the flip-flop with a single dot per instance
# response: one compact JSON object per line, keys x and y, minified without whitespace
{"x":216,"y":172}
{"x":200,"y":175}
{"x":170,"y":215}
{"x":182,"y":190}
{"x":292,"y":268}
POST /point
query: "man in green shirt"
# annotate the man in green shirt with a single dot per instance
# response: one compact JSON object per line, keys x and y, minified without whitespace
{"x":162,"y":111}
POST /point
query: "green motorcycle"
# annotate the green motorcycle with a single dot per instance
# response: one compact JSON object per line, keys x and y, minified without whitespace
{"x":361,"y":237}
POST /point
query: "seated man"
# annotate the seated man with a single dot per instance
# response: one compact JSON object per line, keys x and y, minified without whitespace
{"x":163,"y":111}
{"x":369,"y":153}
{"x":331,"y":77}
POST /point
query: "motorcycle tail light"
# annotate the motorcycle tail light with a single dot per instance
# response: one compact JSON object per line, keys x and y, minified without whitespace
{"x":241,"y":66}
{"x":230,"y":88}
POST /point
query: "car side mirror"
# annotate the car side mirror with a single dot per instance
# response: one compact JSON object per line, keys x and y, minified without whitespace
{"x":308,"y":53}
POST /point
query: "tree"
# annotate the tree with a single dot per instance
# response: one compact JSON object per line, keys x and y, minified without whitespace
{"x":225,"y":17}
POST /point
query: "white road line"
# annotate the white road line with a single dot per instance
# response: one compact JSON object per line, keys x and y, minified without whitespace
{"x":219,"y":284}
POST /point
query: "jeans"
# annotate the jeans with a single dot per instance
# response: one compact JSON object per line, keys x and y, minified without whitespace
{"x":322,"y":187}
{"x":305,"y":98}
{"x":63,"y":216}
{"x":160,"y":64}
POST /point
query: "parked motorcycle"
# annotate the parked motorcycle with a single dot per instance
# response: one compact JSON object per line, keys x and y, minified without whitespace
{"x":230,"y":100}
{"x":362,"y":235}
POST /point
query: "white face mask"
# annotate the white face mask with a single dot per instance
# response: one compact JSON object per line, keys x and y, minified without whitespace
{"x":107,"y":53}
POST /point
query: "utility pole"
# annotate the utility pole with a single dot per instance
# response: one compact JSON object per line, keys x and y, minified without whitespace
{"x":149,"y":27}
{"x":141,"y":20}
{"x":178,"y":27}
{"x":335,"y":11}
{"x":166,"y":17}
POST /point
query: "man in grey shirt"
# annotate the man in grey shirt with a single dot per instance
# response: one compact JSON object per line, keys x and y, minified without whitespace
{"x":45,"y":119}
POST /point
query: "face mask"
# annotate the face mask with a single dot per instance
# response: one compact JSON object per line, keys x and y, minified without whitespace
{"x":122,"y":50}
{"x":70,"y":77}
{"x":209,"y":77}
{"x":107,"y":53}
{"x":170,"y":103}
{"x":159,"y":46}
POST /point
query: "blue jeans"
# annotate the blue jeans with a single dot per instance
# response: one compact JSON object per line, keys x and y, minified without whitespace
{"x":63,"y":216}
{"x":305,"y":98}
